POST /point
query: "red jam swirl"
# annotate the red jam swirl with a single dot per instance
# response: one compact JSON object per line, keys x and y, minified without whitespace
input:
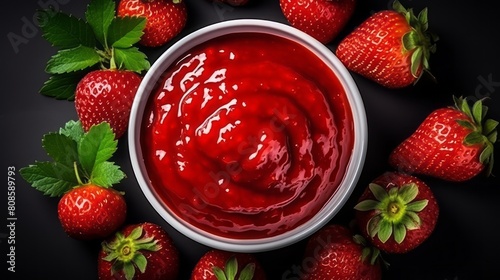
{"x":247,"y":136}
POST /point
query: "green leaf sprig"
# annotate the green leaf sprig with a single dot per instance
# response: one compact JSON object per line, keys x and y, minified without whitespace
{"x":100,"y":41}
{"x":78,"y":158}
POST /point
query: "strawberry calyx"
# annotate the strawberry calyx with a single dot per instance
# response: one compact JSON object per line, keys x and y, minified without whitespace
{"x":231,"y":270}
{"x":125,"y":252}
{"x":396,"y":211}
{"x":371,"y":252}
{"x":483,"y":131}
{"x":419,"y":41}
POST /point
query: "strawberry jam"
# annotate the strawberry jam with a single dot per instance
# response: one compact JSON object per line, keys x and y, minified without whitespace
{"x":247,"y":135}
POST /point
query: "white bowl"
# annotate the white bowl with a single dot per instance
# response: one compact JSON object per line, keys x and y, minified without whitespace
{"x":333,"y":205}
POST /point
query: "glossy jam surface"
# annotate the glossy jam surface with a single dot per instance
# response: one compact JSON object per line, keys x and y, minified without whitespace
{"x":247,"y":136}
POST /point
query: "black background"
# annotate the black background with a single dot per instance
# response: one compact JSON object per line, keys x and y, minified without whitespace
{"x":464,"y":244}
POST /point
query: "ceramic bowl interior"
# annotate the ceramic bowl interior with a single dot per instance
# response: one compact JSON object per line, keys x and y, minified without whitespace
{"x":334,"y":204}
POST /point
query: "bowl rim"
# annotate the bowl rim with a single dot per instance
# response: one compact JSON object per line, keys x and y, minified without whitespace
{"x":331,"y":207}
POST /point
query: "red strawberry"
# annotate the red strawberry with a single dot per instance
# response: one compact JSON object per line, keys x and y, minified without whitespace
{"x":91,"y":212}
{"x":392,"y":47}
{"x":454,"y":144}
{"x":397,"y":212}
{"x":106,"y":96}
{"x":322,"y":19}
{"x":334,"y":252}
{"x":82,"y":175}
{"x":218,"y":265}
{"x":145,"y":247}
{"x":165,"y":19}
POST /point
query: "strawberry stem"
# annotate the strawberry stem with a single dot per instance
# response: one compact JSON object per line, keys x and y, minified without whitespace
{"x":112,"y":63}
{"x":77,"y":174}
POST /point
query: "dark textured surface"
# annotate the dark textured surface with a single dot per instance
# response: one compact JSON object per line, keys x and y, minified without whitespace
{"x":464,"y":244}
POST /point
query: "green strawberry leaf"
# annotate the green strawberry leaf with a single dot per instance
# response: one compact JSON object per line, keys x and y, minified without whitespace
{"x":467,"y":124}
{"x":129,"y":270}
{"x":231,"y":267}
{"x":417,"y":206}
{"x":408,"y":192}
{"x":60,"y":148}
{"x":489,"y":126}
{"x":62,"y":86}
{"x":486,"y":154}
{"x":106,"y":174}
{"x":474,"y":137}
{"x":367,"y":205}
{"x":378,"y":191}
{"x":65,"y":31}
{"x":247,"y":272}
{"x":477,"y":112}
{"x":416,"y":61}
{"x":125,"y":32}
{"x":51,"y":178}
{"x":131,"y":59}
{"x":99,"y":15}
{"x":96,"y":147}
{"x":385,"y":230}
{"x":424,"y":19}
{"x":71,"y":60}
{"x":75,"y":152}
{"x":74,"y":130}
{"x":141,"y":262}
{"x":219,"y":273}
{"x":399,"y":232}
{"x":411,"y":220}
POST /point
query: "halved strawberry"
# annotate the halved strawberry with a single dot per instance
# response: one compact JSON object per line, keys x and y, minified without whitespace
{"x":453,"y":143}
{"x":397,"y":212}
{"x":391,"y":47}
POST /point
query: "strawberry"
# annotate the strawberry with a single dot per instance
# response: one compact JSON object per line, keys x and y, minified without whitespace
{"x":322,"y":19}
{"x":334,"y":252}
{"x":91,"y":212}
{"x":106,"y":95}
{"x":100,"y":41}
{"x":391,"y":47}
{"x":218,"y":265}
{"x":82,"y":176}
{"x":397,"y":212}
{"x":165,"y":19}
{"x":452,"y":143}
{"x":145,"y":247}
